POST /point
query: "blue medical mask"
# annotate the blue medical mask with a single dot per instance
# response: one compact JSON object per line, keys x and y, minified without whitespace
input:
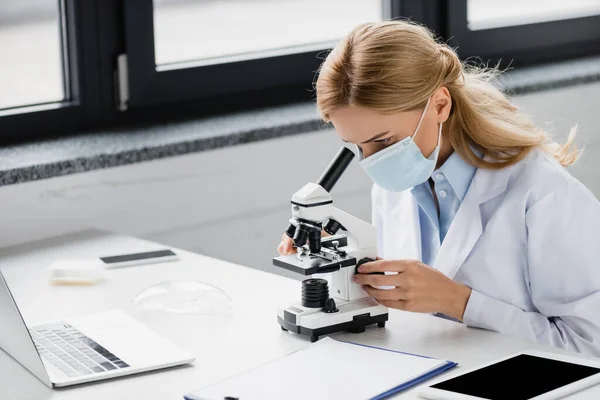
{"x":401,"y":165}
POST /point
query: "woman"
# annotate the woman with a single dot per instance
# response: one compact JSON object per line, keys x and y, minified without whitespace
{"x":472,"y":203}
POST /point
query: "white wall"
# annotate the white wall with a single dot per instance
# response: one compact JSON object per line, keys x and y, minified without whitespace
{"x":233,"y":203}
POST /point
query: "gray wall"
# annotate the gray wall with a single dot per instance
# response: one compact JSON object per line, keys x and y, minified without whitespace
{"x":233,"y":203}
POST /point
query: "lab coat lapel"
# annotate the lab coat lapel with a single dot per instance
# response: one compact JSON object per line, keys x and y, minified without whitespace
{"x":461,"y":237}
{"x":413,"y":230}
{"x":404,"y":230}
{"x":466,"y":228}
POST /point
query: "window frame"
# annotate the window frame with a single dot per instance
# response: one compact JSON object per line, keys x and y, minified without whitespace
{"x":260,"y":79}
{"x":520,"y":45}
{"x":96,"y":32}
{"x":80,"y":72}
{"x":430,"y":13}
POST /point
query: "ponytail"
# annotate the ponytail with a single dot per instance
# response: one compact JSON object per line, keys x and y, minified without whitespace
{"x":395,"y":66}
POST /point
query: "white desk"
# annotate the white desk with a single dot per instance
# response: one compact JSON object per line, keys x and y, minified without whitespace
{"x":223,"y":346}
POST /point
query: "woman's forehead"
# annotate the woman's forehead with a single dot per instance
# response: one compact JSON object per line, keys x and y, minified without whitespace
{"x":357,"y":124}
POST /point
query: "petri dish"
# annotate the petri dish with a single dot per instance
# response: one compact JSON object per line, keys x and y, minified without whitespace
{"x":184,"y":297}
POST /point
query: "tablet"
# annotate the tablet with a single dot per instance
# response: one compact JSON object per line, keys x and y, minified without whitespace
{"x":526,"y":375}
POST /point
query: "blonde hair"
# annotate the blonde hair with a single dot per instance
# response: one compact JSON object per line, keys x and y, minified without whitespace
{"x":396,"y":66}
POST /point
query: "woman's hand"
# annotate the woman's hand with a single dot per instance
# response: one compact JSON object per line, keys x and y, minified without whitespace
{"x":286,"y":246}
{"x":417,"y":287}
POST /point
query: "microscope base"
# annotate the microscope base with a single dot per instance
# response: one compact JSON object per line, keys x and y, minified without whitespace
{"x":351,"y":326}
{"x":315,"y":323}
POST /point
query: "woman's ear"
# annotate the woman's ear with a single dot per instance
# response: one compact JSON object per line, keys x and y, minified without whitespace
{"x":442,"y":103}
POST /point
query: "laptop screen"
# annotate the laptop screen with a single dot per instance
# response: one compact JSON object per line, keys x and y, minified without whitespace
{"x":14,"y":335}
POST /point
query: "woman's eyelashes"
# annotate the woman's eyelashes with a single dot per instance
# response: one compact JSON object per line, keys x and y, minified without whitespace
{"x":383,"y":141}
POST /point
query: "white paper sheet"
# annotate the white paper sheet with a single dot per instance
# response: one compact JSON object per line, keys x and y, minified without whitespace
{"x":327,"y":369}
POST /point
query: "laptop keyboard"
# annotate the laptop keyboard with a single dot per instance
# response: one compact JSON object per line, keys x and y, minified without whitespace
{"x":72,"y":352}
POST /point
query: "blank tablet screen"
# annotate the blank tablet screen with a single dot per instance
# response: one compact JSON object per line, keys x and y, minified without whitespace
{"x":519,"y":378}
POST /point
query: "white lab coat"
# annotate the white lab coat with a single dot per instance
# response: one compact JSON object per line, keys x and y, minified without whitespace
{"x":525,"y":240}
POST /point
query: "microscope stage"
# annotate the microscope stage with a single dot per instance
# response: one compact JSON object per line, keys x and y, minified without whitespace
{"x":310,"y":264}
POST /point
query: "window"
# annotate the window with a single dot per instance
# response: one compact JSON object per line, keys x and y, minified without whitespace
{"x":205,"y":50}
{"x":48,"y":69}
{"x":523,"y":32}
{"x":71,"y":65}
{"x":209,"y":30}
{"x":485,"y":14}
{"x":31,"y":71}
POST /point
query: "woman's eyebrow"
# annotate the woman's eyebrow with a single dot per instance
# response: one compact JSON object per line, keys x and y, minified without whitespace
{"x":372,"y":139}
{"x":376,"y":137}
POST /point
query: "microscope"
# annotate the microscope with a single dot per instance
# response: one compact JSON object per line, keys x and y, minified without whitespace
{"x":337,"y":303}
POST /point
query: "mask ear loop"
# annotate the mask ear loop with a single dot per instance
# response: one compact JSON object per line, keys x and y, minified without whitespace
{"x":439,"y":142}
{"x":421,"y":119}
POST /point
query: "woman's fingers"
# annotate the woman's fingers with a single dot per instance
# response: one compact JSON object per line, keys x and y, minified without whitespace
{"x":286,"y":246}
{"x":377,"y":279}
{"x":397,"y":304}
{"x":385,"y":294}
{"x":385,"y":265}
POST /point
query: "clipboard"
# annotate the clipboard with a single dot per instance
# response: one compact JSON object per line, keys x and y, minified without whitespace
{"x":328,"y":369}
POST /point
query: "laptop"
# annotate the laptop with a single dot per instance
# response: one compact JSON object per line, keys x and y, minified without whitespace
{"x":91,"y":348}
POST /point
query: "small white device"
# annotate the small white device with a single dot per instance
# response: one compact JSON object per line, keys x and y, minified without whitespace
{"x":91,"y":348}
{"x":527,"y":375}
{"x":76,"y":272}
{"x":133,"y":259}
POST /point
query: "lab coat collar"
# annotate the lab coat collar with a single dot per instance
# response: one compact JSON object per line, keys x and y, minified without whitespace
{"x":466,"y":228}
{"x":490,"y":183}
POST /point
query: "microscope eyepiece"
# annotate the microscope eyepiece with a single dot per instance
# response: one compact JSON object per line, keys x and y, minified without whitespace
{"x":336,"y":168}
